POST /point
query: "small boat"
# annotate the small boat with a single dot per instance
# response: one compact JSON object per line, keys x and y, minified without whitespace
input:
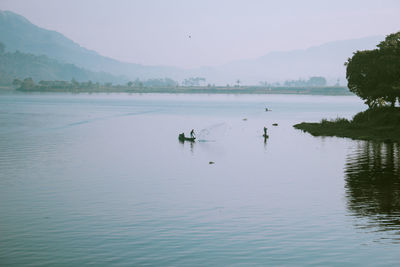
{"x":182,"y":138}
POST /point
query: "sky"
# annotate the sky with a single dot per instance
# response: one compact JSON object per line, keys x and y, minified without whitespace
{"x":189,"y":33}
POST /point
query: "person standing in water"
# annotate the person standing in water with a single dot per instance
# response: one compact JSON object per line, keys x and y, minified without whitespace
{"x":265,"y":131}
{"x":192,"y":134}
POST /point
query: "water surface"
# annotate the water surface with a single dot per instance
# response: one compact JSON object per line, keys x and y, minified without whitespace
{"x":102,"y":179}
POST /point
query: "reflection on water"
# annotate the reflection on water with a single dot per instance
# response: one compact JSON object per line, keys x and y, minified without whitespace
{"x":373,"y":185}
{"x":185,"y":143}
{"x":103,"y":180}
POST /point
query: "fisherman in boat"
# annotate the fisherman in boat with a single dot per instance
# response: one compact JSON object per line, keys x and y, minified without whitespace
{"x":192,"y":134}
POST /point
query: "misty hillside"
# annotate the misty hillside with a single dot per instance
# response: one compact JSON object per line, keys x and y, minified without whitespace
{"x":22,"y":65}
{"x":17,"y":33}
{"x":327,"y":60}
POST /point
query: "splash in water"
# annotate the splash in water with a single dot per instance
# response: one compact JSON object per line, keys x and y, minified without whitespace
{"x":213,"y":132}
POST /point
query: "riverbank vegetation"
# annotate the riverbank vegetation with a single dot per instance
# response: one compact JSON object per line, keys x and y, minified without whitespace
{"x":379,"y":124}
{"x":167,"y":86}
{"x":374,"y":76}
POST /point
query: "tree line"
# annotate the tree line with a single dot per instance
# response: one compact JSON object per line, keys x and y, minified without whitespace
{"x":28,"y":84}
{"x":314,"y":81}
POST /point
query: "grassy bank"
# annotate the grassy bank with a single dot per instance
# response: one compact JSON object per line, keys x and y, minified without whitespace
{"x":379,"y":124}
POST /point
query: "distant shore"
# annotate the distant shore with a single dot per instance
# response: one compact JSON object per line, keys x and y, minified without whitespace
{"x":379,"y":124}
{"x":4,"y":88}
{"x":331,"y":90}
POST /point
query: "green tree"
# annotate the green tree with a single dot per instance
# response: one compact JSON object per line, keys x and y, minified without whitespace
{"x":374,"y":75}
{"x":17,"y":82}
{"x":27,"y":84}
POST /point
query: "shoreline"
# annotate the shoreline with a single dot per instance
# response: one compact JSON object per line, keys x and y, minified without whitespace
{"x":379,"y":124}
{"x":322,"y":91}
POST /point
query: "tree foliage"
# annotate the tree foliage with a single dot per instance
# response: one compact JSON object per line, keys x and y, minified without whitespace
{"x":374,"y":75}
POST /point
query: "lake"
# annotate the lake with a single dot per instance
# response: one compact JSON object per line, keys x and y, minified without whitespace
{"x":101,"y":179}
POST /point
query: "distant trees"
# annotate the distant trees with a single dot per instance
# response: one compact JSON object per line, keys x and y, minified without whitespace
{"x":295,"y":83}
{"x":374,"y":75}
{"x":165,"y":82}
{"x":2,"y":48}
{"x":17,"y":82}
{"x":74,"y":83}
{"x":193,"y":81}
{"x":315,"y":81}
{"x":27,"y":84}
{"x":267,"y":84}
{"x":238,"y":83}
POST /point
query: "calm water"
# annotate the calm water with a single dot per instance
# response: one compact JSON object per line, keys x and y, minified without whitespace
{"x":103,"y":180}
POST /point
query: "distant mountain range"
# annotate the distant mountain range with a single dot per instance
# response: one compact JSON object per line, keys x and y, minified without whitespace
{"x":17,"y":33}
{"x":327,"y":60}
{"x":23,"y":65}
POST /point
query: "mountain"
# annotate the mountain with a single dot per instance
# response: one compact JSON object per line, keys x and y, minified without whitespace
{"x":327,"y":60}
{"x":324,"y":60}
{"x":23,"y":65}
{"x":17,"y":33}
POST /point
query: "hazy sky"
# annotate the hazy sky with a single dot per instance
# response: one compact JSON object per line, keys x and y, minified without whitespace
{"x":156,"y":32}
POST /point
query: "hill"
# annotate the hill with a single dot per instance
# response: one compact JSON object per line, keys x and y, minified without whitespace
{"x":327,"y":60}
{"x":22,"y":65}
{"x":17,"y":33}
